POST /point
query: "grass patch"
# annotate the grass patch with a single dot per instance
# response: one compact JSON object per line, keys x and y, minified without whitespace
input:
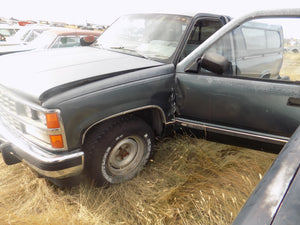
{"x":188,"y":181}
{"x":291,"y":66}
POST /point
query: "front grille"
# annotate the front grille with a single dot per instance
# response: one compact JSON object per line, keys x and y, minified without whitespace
{"x":6,"y":102}
{"x":8,"y":111}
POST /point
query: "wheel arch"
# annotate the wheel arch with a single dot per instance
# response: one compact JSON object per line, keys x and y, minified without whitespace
{"x":153,"y":115}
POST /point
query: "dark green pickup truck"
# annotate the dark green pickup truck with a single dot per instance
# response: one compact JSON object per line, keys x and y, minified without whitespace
{"x":99,"y":108}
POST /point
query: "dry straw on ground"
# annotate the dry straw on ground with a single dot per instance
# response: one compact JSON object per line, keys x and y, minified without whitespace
{"x":291,"y":66}
{"x":188,"y":181}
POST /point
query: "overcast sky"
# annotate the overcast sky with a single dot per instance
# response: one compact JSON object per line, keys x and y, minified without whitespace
{"x":105,"y":12}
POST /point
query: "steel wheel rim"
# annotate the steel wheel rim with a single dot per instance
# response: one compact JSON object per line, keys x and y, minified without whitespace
{"x":126,"y":156}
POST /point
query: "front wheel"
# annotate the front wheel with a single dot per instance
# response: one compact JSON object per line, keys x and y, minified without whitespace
{"x":118,"y":150}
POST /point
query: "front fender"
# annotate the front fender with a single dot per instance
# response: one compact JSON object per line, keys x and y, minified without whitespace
{"x":101,"y":100}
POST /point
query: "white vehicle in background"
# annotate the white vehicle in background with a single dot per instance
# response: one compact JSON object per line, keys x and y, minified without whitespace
{"x":55,"y":38}
{"x":62,"y":38}
{"x":7,"y":30}
{"x":25,"y":35}
{"x":293,"y":49}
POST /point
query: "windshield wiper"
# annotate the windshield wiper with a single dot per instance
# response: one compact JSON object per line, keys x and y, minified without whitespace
{"x":129,"y":50}
{"x":119,"y":47}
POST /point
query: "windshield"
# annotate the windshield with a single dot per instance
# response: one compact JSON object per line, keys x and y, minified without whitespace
{"x":20,"y":35}
{"x":154,"y":36}
{"x":43,"y":41}
{"x":27,"y":34}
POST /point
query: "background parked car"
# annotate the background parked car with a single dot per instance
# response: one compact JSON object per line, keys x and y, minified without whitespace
{"x":25,"y":35}
{"x":62,"y":38}
{"x":53,"y":38}
{"x":7,"y":31}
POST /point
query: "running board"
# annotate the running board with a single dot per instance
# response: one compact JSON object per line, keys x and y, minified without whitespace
{"x":207,"y":127}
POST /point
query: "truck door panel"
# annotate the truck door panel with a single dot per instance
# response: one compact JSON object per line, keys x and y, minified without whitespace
{"x":253,"y":94}
{"x":238,"y":103}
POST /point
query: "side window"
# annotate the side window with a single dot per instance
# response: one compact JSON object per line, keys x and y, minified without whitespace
{"x":260,"y":39}
{"x":259,"y":49}
{"x":64,"y":42}
{"x":255,"y":39}
{"x":273,"y":39}
{"x":202,"y":30}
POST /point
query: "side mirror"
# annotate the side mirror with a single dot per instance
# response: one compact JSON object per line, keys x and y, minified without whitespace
{"x":214,"y":63}
{"x":87,"y":40}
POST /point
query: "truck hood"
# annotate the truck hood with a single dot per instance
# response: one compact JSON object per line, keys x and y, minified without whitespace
{"x":33,"y":73}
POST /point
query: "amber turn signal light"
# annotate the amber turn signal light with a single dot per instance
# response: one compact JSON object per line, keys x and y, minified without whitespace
{"x":52,"y":120}
{"x":56,"y":141}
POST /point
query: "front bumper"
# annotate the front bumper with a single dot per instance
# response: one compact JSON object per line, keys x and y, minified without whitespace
{"x":57,"y":167}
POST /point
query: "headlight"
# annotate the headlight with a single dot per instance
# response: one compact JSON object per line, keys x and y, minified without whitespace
{"x":41,"y":117}
{"x":28,"y":111}
{"x":43,"y":127}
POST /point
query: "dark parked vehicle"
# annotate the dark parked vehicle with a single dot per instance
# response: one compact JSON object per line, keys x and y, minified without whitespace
{"x":134,"y":59}
{"x":276,"y":199}
{"x":100,"y":107}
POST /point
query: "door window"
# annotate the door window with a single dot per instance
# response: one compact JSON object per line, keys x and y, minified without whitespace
{"x":261,"y":49}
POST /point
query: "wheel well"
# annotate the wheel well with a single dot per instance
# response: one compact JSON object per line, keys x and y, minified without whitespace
{"x":154,"y":117}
